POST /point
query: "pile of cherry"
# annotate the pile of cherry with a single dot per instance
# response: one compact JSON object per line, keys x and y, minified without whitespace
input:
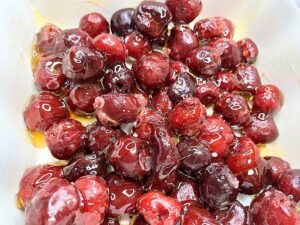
{"x":172,"y":162}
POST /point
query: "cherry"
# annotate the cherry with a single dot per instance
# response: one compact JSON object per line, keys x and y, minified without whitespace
{"x":261,"y":128}
{"x":207,"y":92}
{"x":226,"y":81}
{"x":248,"y":50}
{"x":151,"y":70}
{"x":176,"y":68}
{"x":151,"y":18}
{"x":230,"y":52}
{"x":109,"y":221}
{"x":218,"y":185}
{"x":99,"y":137}
{"x":67,"y":38}
{"x":162,"y":103}
{"x":187,"y":117}
{"x":137,"y":45}
{"x":186,"y":193}
{"x":143,"y":98}
{"x":81,"y":165}
{"x":45,"y":38}
{"x":184,"y":10}
{"x":214,"y":27}
{"x":48,"y":75}
{"x":111,"y":47}
{"x":119,"y":78}
{"x":277,"y":167}
{"x":181,"y":42}
{"x":289,"y":183}
{"x":268,"y":99}
{"x":198,"y":216}
{"x":248,"y":79}
{"x":94,"y":200}
{"x":234,"y":214}
{"x":121,"y":22}
{"x":130,"y":156}
{"x":34,"y":179}
{"x":183,"y":87}
{"x":139,"y":220}
{"x":113,"y":178}
{"x":94,"y":24}
{"x":194,"y":155}
{"x":65,"y":138}
{"x":160,"y":41}
{"x":273,"y":207}
{"x":56,"y":203}
{"x":115,"y":108}
{"x":82,"y":96}
{"x":124,"y":195}
{"x":81,"y":63}
{"x":159,"y":209}
{"x":165,"y":161}
{"x":44,"y":110}
{"x":204,"y":61}
{"x":234,"y":108}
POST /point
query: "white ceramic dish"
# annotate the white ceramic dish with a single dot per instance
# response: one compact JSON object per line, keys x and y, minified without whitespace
{"x":273,"y":24}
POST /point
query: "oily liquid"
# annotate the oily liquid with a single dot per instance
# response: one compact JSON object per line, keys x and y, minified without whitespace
{"x":37,"y":139}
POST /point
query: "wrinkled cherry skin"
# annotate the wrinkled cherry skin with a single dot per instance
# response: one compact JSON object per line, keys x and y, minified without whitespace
{"x":218,"y":134}
{"x":204,"y":61}
{"x":181,"y":42}
{"x":243,"y":156}
{"x":162,"y":103}
{"x":115,"y":108}
{"x":218,"y":185}
{"x":234,"y":108}
{"x":207,"y":92}
{"x":289,"y":183}
{"x":248,"y":79}
{"x":165,"y":161}
{"x":268,"y":99}
{"x":184,"y":10}
{"x":137,"y":45}
{"x":273,"y":207}
{"x":159,"y":209}
{"x":81,"y":165}
{"x":226,"y":81}
{"x":94,"y":200}
{"x":176,"y":68}
{"x":119,"y":78}
{"x":186,"y":193}
{"x":111,"y":47}
{"x":67,"y":38}
{"x":198,"y":216}
{"x":139,"y":220}
{"x":248,"y":50}
{"x":151,"y":70}
{"x":48,"y":75}
{"x":94,"y":24}
{"x":130,"y":156}
{"x":82,"y":63}
{"x":34,"y":179}
{"x":182,"y":87}
{"x":151,"y":18}
{"x":121,"y":22}
{"x":187,"y":117}
{"x":45,"y":110}
{"x":214,"y":27}
{"x":234,"y":214}
{"x":124,"y":195}
{"x":65,"y":138}
{"x":277,"y":167}
{"x":45,"y":37}
{"x":194,"y":155}
{"x":56,"y":203}
{"x":99,"y":137}
{"x":230,"y":52}
{"x":82,"y":97}
{"x":261,"y":129}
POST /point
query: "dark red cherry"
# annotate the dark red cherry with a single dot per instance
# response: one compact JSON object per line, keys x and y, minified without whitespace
{"x":248,"y":79}
{"x":226,"y":81}
{"x":176,"y":68}
{"x":277,"y":167}
{"x":45,"y":38}
{"x":139,"y":220}
{"x":198,"y":216}
{"x":162,"y":103}
{"x":121,"y":22}
{"x":289,"y":183}
{"x":137,"y":45}
{"x":248,"y":50}
{"x":94,"y":24}
{"x":207,"y":92}
{"x":109,"y":221}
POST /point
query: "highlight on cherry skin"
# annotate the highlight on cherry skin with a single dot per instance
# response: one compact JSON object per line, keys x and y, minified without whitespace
{"x":154,"y":120}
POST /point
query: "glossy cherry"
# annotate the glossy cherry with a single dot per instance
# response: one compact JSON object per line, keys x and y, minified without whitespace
{"x":45,"y":38}
{"x":94,"y":24}
{"x":176,"y":68}
{"x":289,"y":183}
{"x":137,"y":45}
{"x":226,"y":80}
{"x":248,"y":79}
{"x":65,"y":138}
{"x":277,"y":167}
{"x":121,"y":22}
{"x":206,"y":91}
{"x":248,"y":50}
{"x":198,"y":216}
{"x":162,"y":103}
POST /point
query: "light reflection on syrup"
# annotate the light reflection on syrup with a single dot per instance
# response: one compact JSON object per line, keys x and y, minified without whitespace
{"x":37,"y":139}
{"x":267,"y":150}
{"x":84,"y":120}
